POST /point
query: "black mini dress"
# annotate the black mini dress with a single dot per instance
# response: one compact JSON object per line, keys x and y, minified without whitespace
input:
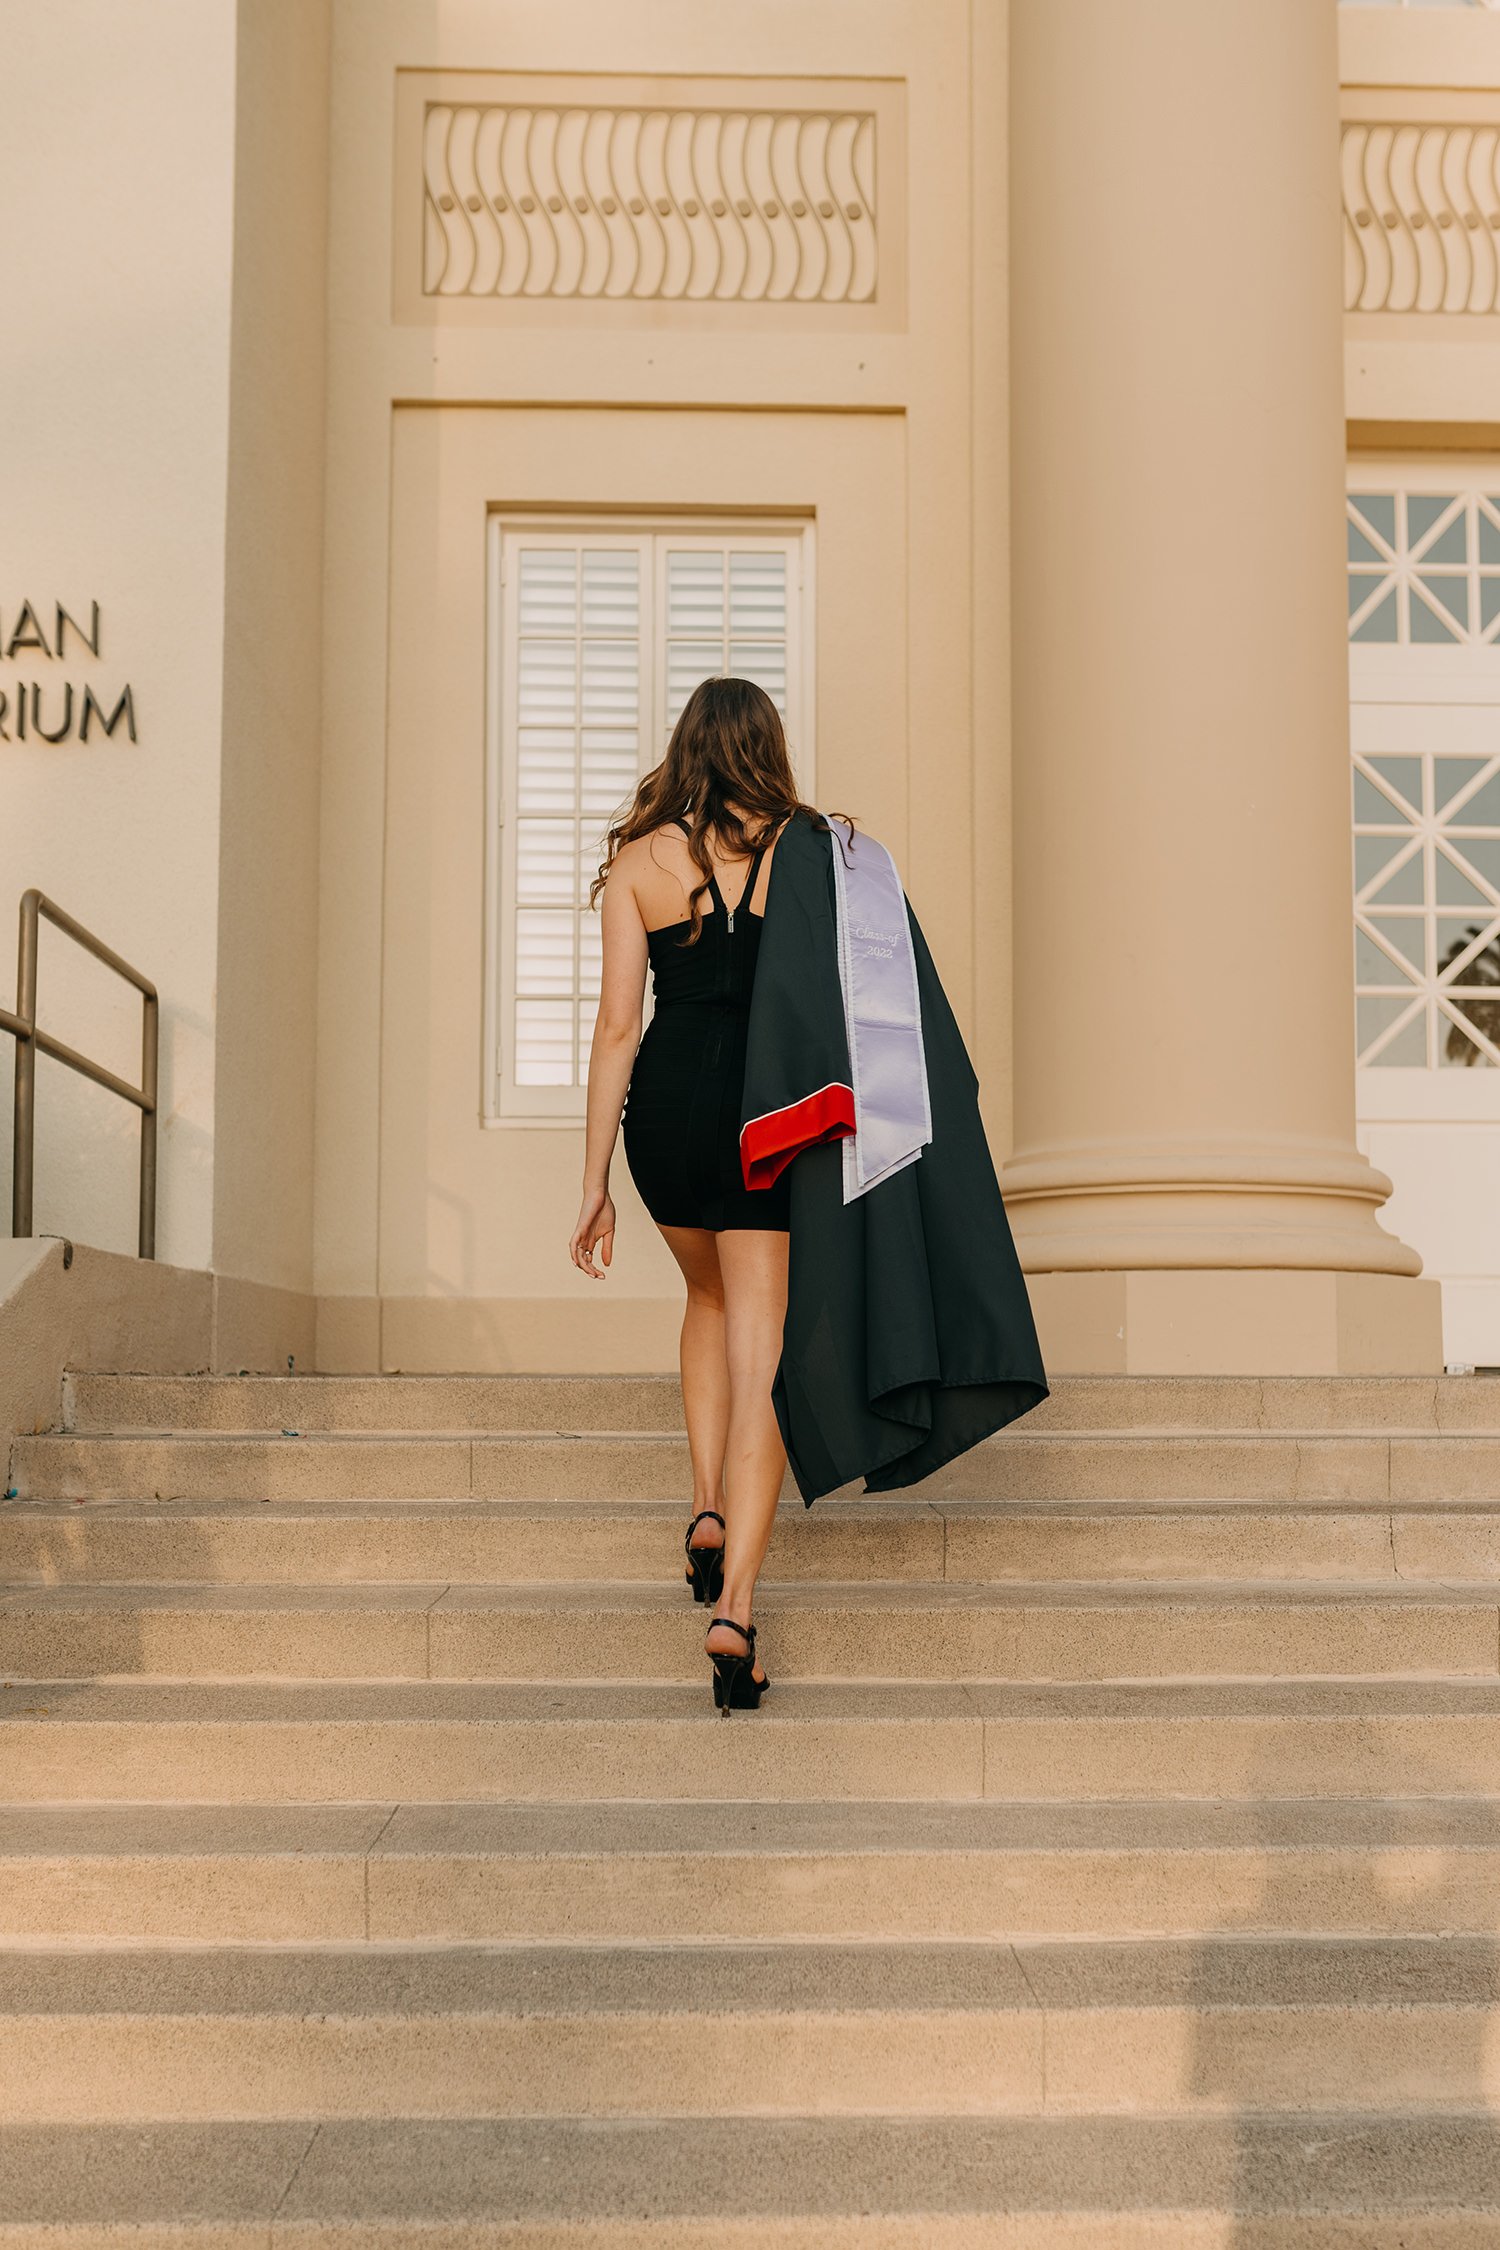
{"x":682,"y":1110}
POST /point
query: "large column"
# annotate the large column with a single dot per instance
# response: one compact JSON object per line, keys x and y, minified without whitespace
{"x":1185,"y":1188}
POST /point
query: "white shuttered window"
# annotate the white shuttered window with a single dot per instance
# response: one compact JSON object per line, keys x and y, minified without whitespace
{"x":598,"y":635}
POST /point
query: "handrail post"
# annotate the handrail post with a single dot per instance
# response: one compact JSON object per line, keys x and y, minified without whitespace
{"x":150,"y":1012}
{"x":30,"y":1037}
{"x":24,"y":1143}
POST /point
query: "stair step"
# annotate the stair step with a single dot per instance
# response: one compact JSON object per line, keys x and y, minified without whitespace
{"x":1207,"y":2024}
{"x":547,"y":1465}
{"x":533,"y":1466}
{"x":159,"y":1742}
{"x":888,"y":2183}
{"x":326,"y":1542}
{"x":1176,"y":1775}
{"x":613,"y":1873}
{"x":1126,"y":1812}
{"x":380,"y":1404}
{"x":608,"y":1631}
{"x":653,"y":1402}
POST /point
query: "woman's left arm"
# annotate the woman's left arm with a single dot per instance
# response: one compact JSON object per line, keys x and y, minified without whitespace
{"x":617,"y":1034}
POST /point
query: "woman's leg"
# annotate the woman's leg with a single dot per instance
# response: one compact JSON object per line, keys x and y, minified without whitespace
{"x":705,"y":1370}
{"x":754,"y":1269}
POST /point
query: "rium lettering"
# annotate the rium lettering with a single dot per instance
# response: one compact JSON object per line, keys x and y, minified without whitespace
{"x":55,"y":710}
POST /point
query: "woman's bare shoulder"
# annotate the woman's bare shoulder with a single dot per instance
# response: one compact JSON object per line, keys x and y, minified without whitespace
{"x":650,"y":871}
{"x":643,"y":853}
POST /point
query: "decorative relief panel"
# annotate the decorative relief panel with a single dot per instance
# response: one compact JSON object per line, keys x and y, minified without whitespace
{"x":1421,"y":216}
{"x":754,"y":205}
{"x":721,"y":201}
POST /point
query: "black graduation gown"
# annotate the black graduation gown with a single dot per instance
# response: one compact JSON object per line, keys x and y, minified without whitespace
{"x":909,"y":1334}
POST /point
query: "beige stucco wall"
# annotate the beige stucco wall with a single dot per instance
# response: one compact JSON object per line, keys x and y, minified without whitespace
{"x":90,"y":1308}
{"x":438,"y":1241}
{"x":272,"y":716}
{"x":116,"y":161}
{"x":164,"y":405}
{"x":241,"y":427}
{"x":64,"y":1305}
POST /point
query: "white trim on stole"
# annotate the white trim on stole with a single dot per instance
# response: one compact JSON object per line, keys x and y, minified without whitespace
{"x":882,"y":1013}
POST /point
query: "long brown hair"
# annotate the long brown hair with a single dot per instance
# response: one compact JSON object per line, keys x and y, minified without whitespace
{"x":726,"y":772}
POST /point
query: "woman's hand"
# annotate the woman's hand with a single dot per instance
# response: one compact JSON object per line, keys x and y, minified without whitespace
{"x":595,"y":1230}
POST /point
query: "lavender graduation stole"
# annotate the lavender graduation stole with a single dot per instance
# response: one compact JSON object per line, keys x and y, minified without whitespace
{"x":882,"y":1014}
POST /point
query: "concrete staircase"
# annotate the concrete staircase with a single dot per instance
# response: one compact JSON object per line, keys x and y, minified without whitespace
{"x":1116,"y":1861}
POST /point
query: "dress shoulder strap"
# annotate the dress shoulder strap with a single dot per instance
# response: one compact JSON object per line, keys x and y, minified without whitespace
{"x":750,"y":880}
{"x":760,"y":852}
{"x":714,"y":892}
{"x":749,"y":883}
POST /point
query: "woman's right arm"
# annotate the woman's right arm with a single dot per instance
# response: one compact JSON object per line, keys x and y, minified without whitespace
{"x":617,"y":1034}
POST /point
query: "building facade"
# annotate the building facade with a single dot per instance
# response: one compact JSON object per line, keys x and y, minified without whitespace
{"x":414,"y":399}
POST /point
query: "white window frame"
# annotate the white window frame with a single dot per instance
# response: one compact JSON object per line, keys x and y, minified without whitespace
{"x":1463,"y":676}
{"x":503,"y":1103}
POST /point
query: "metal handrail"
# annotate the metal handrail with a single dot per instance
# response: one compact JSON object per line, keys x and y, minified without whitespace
{"x":31,"y":1040}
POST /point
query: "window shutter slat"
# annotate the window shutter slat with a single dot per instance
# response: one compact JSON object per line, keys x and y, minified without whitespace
{"x":548,"y":680}
{"x":757,"y":594}
{"x":590,"y":954}
{"x":611,"y":683}
{"x":765,"y":663}
{"x":547,"y":597}
{"x":695,"y":591}
{"x":545,"y":952}
{"x":545,"y":1031}
{"x":547,"y":771}
{"x":546,"y":862}
{"x":688,"y":662}
{"x":612,"y":591}
{"x":611,"y":767}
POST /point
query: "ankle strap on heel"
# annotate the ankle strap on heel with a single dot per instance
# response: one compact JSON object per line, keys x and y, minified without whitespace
{"x":746,"y":1632}
{"x":704,"y":1515}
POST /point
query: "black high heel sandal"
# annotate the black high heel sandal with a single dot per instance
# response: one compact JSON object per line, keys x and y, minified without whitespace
{"x":705,"y":1570}
{"x":735,"y":1686}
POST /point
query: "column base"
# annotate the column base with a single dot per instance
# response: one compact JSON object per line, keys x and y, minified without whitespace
{"x":1237,"y":1321}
